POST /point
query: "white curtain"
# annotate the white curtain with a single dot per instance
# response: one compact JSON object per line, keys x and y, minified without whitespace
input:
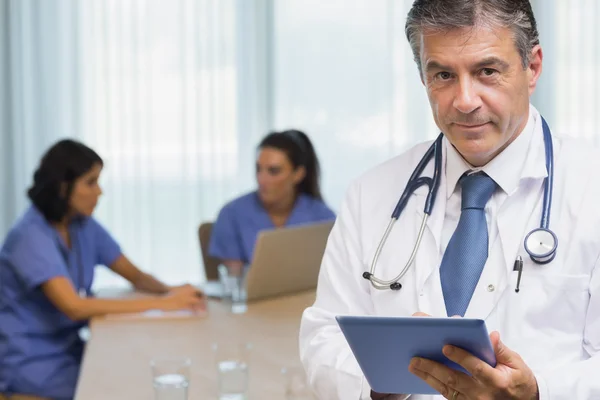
{"x":569,"y":91}
{"x":159,"y":84}
{"x":176,"y":94}
{"x":39,"y":89}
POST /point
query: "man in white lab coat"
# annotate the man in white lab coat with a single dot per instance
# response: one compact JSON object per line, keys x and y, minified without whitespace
{"x":479,"y":61}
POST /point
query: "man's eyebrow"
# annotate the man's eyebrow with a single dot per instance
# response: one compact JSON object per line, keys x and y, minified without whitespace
{"x":492,"y":61}
{"x":434,"y":65}
{"x":487,"y":62}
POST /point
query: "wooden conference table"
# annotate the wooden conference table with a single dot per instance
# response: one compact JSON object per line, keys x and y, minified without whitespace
{"x":116,"y":364}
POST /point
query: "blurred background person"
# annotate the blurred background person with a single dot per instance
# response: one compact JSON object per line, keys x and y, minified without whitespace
{"x":288,"y":194}
{"x":47,"y":267}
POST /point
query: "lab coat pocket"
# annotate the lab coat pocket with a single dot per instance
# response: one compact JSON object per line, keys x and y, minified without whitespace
{"x":548,"y":299}
{"x":550,"y":311}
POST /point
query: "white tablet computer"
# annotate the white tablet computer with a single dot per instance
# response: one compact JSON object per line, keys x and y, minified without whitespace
{"x":384,"y":346}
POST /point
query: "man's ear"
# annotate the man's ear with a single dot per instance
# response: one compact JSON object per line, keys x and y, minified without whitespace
{"x":534,"y":69}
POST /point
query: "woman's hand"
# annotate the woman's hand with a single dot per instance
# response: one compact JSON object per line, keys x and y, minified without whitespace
{"x":185,"y":297}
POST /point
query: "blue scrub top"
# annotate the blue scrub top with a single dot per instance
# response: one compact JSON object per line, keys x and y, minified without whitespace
{"x":40,"y":349}
{"x":235,"y":231}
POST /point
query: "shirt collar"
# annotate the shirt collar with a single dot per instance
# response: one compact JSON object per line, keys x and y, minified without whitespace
{"x":506,"y":169}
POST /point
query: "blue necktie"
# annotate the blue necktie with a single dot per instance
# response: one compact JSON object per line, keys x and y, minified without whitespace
{"x":467,"y":250}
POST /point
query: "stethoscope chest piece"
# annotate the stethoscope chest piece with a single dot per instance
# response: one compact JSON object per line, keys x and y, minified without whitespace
{"x":541,"y":245}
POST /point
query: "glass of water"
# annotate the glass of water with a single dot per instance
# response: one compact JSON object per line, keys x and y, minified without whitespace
{"x":238,"y":295}
{"x":171,"y":378}
{"x":296,"y":384}
{"x":232,"y":361}
{"x":226,"y":280}
{"x":234,"y":287}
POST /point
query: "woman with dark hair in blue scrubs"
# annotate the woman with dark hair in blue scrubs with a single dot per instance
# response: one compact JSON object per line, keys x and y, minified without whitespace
{"x":46,"y":270}
{"x":288,"y":173}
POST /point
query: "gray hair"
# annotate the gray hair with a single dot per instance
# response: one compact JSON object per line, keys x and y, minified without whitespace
{"x":444,"y":15}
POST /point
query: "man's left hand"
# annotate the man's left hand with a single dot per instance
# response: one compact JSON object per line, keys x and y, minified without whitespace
{"x":510,"y":379}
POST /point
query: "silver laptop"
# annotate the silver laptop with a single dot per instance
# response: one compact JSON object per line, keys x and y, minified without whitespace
{"x":286,"y":260}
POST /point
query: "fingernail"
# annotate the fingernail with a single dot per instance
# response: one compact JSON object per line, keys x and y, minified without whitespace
{"x":448,"y":350}
{"x":415,"y":363}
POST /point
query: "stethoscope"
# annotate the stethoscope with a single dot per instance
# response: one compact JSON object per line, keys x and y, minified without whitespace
{"x":80,"y":284}
{"x":540,"y":243}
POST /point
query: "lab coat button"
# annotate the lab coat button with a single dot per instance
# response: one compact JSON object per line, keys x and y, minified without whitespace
{"x":491,"y":288}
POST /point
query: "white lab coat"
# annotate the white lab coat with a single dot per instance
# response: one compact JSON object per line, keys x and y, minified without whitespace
{"x":553,"y":322}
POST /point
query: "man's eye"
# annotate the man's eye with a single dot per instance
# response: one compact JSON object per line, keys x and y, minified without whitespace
{"x":488,"y":71}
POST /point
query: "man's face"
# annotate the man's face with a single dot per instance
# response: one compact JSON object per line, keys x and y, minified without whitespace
{"x":477,"y":88}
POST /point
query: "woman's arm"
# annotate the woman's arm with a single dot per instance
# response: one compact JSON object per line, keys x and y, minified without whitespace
{"x":140,"y":280}
{"x":62,"y":294}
